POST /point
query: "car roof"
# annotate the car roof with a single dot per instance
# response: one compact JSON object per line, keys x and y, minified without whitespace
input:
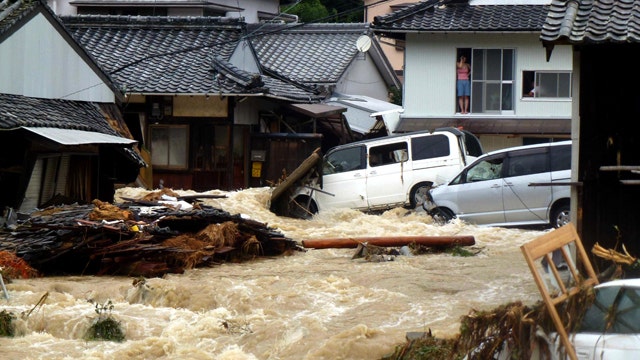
{"x":523,"y":147}
{"x":634,"y":283}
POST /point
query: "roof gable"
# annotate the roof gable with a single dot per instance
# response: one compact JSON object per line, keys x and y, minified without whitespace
{"x":38,"y":49}
{"x":309,"y":53}
{"x":464,"y":16}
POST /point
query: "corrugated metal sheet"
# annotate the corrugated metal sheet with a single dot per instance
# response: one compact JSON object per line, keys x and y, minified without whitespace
{"x":77,"y":137}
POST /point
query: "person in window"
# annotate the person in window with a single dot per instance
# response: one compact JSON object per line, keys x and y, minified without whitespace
{"x":463,"y":86}
{"x":532,"y":92}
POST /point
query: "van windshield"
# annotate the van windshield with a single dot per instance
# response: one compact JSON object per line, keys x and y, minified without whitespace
{"x":342,"y":160}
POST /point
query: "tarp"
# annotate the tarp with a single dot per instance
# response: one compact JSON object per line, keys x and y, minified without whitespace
{"x":361,"y":109}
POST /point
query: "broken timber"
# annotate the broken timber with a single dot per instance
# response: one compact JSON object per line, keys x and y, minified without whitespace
{"x":280,"y":204}
{"x":353,"y":242}
{"x":105,"y":239}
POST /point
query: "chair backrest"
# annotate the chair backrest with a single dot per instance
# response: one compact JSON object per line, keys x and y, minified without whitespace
{"x":554,"y":248}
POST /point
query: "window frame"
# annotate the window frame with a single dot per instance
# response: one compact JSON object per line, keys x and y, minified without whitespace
{"x":155,"y":147}
{"x":484,"y":76}
{"x":538,"y":77}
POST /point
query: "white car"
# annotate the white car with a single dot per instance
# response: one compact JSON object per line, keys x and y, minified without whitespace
{"x":610,"y":329}
{"x":524,"y":185}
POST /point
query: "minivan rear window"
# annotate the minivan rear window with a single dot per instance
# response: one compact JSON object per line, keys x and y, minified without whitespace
{"x":429,"y":147}
{"x":561,"y":157}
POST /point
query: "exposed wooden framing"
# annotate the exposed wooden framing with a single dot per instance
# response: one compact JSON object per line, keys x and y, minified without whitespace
{"x":543,"y":247}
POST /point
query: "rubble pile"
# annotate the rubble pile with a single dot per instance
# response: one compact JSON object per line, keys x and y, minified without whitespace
{"x":149,"y":238}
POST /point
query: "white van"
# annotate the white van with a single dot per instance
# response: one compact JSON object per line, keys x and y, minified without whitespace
{"x":524,"y":185}
{"x":387,"y":172}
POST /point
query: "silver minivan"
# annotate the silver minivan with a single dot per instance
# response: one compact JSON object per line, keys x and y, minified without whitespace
{"x":386,"y":172}
{"x":524,"y":185}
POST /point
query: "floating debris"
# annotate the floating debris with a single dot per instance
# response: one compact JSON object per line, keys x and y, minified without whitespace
{"x":138,"y":240}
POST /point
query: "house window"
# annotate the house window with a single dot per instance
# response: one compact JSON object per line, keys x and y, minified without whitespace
{"x":169,"y":146}
{"x":492,"y":74}
{"x":546,"y":84}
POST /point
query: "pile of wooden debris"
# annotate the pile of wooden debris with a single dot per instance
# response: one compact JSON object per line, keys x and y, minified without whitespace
{"x":143,"y":237}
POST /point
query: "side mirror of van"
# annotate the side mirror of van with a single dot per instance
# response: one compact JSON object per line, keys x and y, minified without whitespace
{"x":400,"y":155}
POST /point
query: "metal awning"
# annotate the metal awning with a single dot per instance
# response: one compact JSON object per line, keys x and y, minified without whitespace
{"x":78,"y":137}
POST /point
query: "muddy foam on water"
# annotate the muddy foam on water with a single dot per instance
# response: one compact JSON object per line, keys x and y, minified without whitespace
{"x":318,"y":304}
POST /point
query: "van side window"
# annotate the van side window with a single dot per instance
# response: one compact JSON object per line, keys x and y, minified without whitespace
{"x":429,"y":147}
{"x":527,"y":164}
{"x":342,"y":160}
{"x":561,"y":158}
{"x":384,"y":154}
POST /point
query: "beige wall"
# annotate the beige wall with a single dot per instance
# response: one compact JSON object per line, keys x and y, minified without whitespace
{"x":394,"y":54}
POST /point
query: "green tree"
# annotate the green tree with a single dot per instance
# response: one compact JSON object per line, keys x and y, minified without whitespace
{"x":332,"y":11}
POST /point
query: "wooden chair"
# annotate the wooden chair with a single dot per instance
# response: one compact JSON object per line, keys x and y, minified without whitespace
{"x":543,"y":247}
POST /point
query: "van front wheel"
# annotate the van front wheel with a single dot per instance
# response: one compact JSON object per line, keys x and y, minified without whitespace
{"x":419,"y":193}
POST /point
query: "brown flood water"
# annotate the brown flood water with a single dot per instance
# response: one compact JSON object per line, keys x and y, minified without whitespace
{"x":318,"y":304}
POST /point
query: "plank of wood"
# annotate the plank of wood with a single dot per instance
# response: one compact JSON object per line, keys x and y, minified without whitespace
{"x":296,"y":175}
{"x":353,"y":242}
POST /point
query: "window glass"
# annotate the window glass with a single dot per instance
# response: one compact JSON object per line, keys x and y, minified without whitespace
{"x":429,"y":147}
{"x":169,"y":146}
{"x":614,"y":306}
{"x":488,"y":169}
{"x":344,"y":160}
{"x":561,"y":158}
{"x":546,"y":84}
{"x":492,"y":80}
{"x":387,"y":154}
{"x":527,"y":164}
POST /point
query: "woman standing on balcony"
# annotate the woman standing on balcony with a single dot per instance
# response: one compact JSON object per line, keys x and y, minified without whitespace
{"x":463,"y":87}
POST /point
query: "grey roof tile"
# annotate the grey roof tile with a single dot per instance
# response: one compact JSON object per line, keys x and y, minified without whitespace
{"x":159,"y":54}
{"x":460,"y":16}
{"x":307,"y":53}
{"x":176,"y":55}
{"x":603,"y":21}
{"x":17,"y":111}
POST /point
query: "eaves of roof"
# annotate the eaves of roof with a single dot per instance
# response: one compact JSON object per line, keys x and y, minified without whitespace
{"x":156,"y":3}
{"x":18,"y":111}
{"x":461,"y":17}
{"x":592,"y":22}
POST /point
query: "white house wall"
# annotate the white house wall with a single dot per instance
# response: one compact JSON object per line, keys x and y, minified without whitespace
{"x":430,"y":72}
{"x":250,"y":13}
{"x":363,"y":78}
{"x":44,"y":65}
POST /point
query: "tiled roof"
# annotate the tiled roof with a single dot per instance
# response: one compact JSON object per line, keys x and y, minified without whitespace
{"x":172,"y":55}
{"x":461,"y":16}
{"x":308,"y":53}
{"x":17,"y":111}
{"x":603,"y":21}
{"x":12,"y":12}
{"x":158,"y":54}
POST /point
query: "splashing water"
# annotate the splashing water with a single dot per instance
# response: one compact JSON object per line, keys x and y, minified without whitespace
{"x":318,"y":304}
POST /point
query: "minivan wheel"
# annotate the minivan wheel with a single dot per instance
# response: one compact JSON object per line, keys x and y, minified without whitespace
{"x":560,"y":216}
{"x":418,"y":194}
{"x":441,"y":216}
{"x":303,"y":208}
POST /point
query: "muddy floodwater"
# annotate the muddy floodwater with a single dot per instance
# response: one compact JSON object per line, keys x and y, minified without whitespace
{"x":317,"y":304}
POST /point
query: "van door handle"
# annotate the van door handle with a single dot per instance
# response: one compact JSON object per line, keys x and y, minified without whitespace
{"x":495,"y":186}
{"x":357,"y":174}
{"x":373,"y":172}
{"x":506,"y":183}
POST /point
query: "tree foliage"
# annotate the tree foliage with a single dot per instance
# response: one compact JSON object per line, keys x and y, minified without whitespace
{"x":330,"y":11}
